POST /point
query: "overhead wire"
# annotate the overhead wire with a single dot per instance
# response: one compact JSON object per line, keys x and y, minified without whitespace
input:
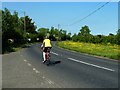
{"x":88,"y":14}
{"x":87,"y":10}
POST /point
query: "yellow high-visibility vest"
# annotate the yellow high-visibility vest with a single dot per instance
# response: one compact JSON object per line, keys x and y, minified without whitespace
{"x":47,"y":43}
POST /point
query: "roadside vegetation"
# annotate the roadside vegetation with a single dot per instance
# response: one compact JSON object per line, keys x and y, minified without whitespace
{"x":110,"y":51}
{"x":18,"y":32}
{"x":100,"y":45}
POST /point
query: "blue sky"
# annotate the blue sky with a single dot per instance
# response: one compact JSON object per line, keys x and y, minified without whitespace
{"x":47,"y":14}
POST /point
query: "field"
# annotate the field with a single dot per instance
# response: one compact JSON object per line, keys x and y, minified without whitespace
{"x":109,"y":51}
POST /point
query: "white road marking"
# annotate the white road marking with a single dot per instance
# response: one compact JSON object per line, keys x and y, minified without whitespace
{"x":54,"y":53}
{"x":25,"y":60}
{"x":37,"y":71}
{"x":29,"y":64}
{"x":49,"y":81}
{"x":91,"y":64}
{"x":34,"y":68}
{"x":43,"y":77}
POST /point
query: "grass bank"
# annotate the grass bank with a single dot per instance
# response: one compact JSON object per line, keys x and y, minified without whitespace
{"x":109,"y":51}
{"x":17,"y":48}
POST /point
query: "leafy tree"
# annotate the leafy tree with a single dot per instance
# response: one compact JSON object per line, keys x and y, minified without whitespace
{"x":29,"y":25}
{"x":32,"y":37}
{"x":42,"y":32}
{"x":75,"y":37}
{"x":7,"y":28}
{"x":118,"y":37}
{"x":6,"y":25}
{"x":84,"y":34}
{"x":0,"y":31}
{"x":63,"y":34}
{"x":111,"y":38}
{"x":54,"y":34}
{"x":13,"y":28}
{"x":0,"y":19}
{"x":68,"y":36}
{"x":110,"y":34}
{"x":85,"y":31}
{"x":15,"y":20}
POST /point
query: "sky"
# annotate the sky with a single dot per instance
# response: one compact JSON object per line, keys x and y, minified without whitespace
{"x":69,"y":15}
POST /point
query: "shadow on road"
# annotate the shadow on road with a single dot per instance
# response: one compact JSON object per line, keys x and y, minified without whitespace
{"x":52,"y":63}
{"x":25,"y":46}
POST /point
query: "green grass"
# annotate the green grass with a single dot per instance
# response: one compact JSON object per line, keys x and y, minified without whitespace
{"x":109,"y":51}
{"x":17,"y":48}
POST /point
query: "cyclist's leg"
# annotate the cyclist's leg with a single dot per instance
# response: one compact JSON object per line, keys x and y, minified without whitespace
{"x":44,"y":56}
{"x":44,"y":52}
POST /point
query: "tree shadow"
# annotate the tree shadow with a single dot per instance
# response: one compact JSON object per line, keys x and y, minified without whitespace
{"x":52,"y":63}
{"x":25,"y":46}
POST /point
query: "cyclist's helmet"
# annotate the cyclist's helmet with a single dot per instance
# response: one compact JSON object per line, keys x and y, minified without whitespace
{"x":47,"y":37}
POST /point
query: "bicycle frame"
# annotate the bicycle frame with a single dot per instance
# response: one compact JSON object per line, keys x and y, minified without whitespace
{"x":47,"y":54}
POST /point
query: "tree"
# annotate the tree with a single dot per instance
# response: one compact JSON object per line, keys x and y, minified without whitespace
{"x":63,"y":34}
{"x":85,"y":31}
{"x":15,"y":20}
{"x":7,"y":28}
{"x":68,"y":36}
{"x":110,"y":34}
{"x":42,"y":32}
{"x":13,"y":29}
{"x":75,"y":37}
{"x":84,"y":34}
{"x":111,"y":38}
{"x":29,"y":25}
{"x":118,"y":37}
{"x":54,"y":34}
{"x":0,"y":21}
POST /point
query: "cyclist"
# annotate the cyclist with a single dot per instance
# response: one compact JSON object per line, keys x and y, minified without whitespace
{"x":45,"y":45}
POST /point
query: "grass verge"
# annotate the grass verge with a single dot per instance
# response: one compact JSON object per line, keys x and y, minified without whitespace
{"x":109,"y":51}
{"x":17,"y":48}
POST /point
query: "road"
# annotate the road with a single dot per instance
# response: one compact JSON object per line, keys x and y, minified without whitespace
{"x":68,"y":69}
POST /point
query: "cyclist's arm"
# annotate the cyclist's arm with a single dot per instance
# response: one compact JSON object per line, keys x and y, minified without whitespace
{"x":43,"y":45}
{"x":51,"y":43}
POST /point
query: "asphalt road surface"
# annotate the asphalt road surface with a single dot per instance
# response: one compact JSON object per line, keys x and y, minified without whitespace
{"x":68,"y":69}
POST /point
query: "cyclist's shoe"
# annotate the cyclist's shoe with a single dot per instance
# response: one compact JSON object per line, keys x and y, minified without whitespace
{"x":44,"y":61}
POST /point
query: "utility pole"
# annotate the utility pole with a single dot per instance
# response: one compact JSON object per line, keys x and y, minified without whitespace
{"x":58,"y":26}
{"x":59,"y":32}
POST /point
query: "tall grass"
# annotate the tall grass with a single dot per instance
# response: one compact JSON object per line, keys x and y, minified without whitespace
{"x":110,"y":51}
